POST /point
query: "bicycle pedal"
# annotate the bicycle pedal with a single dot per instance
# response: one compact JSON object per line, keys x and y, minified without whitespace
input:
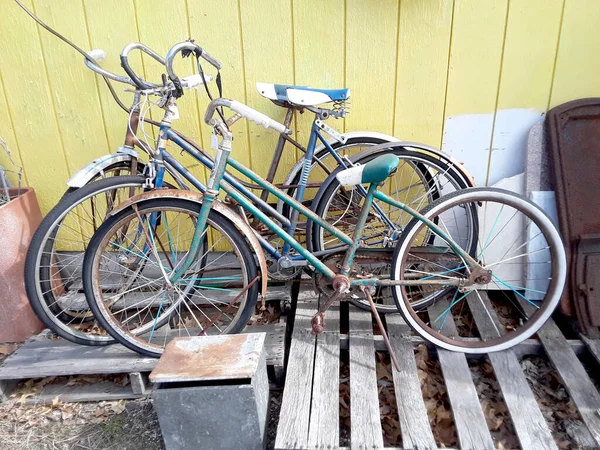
{"x":318,"y":323}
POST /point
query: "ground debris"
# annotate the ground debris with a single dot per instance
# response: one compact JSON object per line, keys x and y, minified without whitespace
{"x":127,"y":425}
{"x":558,"y":409}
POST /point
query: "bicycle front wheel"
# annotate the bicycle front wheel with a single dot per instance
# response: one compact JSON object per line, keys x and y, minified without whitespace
{"x":524,"y":270}
{"x":129,"y":262}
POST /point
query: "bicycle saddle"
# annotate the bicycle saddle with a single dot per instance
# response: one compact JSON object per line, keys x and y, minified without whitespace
{"x":375,"y":171}
{"x":301,"y":95}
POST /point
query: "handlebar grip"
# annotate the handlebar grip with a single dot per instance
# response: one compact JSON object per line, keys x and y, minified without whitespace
{"x":98,"y":54}
{"x":257,"y":117}
{"x":140,"y":83}
{"x":129,"y":71}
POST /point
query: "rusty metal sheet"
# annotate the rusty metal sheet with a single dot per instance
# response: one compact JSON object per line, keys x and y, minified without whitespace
{"x":573,"y":139}
{"x":209,"y":358}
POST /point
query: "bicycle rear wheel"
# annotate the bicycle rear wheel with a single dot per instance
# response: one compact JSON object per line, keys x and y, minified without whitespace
{"x":130,"y":259}
{"x":524,"y":271}
{"x":419,"y":181}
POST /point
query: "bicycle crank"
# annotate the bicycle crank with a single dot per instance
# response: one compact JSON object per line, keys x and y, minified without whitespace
{"x":367,"y":293}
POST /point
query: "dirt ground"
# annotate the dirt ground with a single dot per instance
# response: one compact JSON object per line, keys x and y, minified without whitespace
{"x":127,"y":425}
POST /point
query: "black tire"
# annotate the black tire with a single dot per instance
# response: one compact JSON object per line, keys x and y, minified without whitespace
{"x":40,"y":299}
{"x":104,"y":317}
{"x":331,"y":185}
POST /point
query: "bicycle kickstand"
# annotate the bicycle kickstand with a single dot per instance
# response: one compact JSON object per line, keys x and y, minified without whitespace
{"x":367,"y":293}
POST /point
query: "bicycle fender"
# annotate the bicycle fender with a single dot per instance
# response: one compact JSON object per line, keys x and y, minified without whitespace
{"x":241,"y":225}
{"x":418,"y":146}
{"x":97,"y":166}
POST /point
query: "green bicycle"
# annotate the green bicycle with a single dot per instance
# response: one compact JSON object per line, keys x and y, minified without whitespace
{"x":172,"y":263}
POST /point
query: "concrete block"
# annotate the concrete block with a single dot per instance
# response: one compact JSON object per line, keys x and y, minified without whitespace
{"x":216,"y":395}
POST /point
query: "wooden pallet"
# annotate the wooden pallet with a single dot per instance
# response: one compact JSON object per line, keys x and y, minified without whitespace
{"x":309,"y":417}
{"x":47,"y":356}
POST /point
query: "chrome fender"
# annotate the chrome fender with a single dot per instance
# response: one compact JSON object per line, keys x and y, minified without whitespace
{"x":421,"y":147}
{"x":97,"y":167}
{"x":241,"y":225}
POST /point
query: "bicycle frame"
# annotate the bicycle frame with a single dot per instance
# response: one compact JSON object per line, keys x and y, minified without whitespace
{"x":221,"y":179}
{"x":289,"y":226}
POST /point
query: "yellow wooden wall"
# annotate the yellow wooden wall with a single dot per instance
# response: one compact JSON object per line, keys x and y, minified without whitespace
{"x":411,"y":64}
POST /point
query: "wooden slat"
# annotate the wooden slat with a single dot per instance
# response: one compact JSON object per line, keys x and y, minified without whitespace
{"x":45,"y":357}
{"x":365,"y":420}
{"x":529,"y":423}
{"x":575,"y":378}
{"x":292,"y":431}
{"x":325,"y":407}
{"x":472,"y":429}
{"x":527,"y":347}
{"x":414,"y":422}
{"x":594,"y":346}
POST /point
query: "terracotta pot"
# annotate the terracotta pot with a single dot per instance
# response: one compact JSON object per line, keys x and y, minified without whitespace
{"x":19,"y":219}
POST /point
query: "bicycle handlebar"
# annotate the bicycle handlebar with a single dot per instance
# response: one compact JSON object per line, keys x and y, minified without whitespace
{"x":192,"y":47}
{"x":99,"y":55}
{"x":244,"y":111}
{"x":139,"y":82}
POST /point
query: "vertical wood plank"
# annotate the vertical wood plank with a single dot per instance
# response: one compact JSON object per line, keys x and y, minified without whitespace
{"x":111,"y":33}
{"x":423,"y":48}
{"x":472,"y":429}
{"x":215,"y":24}
{"x":577,"y":63}
{"x":30,"y":102}
{"x":7,"y":133}
{"x":414,"y":422}
{"x":473,"y":75}
{"x":267,"y":46}
{"x":530,"y":425}
{"x":371,"y":37}
{"x":160,"y":32}
{"x":365,"y":421}
{"x":527,"y":67}
{"x":292,"y":430}
{"x":73,"y":85}
{"x":324,"y":428}
{"x":320,"y":65}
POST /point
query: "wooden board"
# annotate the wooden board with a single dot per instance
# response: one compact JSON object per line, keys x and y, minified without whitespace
{"x":470,"y":422}
{"x":414,"y":422}
{"x":594,"y":346}
{"x":529,"y":423}
{"x":324,"y":424}
{"x":292,"y":431}
{"x":44,"y":357}
{"x":576,"y":380}
{"x":364,"y":399}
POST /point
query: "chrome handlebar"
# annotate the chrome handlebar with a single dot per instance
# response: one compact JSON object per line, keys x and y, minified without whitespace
{"x":134,"y":79}
{"x":191,"y":47}
{"x":139,"y":82}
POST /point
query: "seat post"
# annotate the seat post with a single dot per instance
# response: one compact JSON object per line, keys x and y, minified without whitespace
{"x":277,"y":155}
